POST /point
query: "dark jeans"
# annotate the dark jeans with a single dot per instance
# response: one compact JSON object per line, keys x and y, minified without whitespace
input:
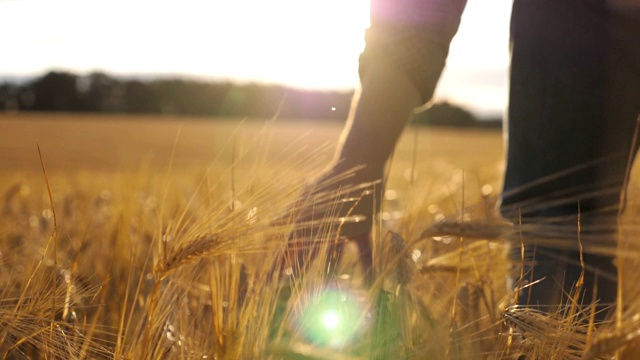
{"x":574,"y":101}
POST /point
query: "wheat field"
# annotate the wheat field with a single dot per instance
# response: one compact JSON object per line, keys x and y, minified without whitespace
{"x":161,"y":238}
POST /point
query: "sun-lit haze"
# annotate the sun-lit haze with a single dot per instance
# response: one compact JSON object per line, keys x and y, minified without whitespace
{"x":476,"y":71}
{"x":301,"y":43}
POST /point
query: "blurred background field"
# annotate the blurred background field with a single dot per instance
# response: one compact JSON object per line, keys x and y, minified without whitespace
{"x":76,"y":142}
{"x":126,"y":144}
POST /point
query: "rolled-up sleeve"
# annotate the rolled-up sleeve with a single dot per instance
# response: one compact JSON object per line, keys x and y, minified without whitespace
{"x":413,"y":35}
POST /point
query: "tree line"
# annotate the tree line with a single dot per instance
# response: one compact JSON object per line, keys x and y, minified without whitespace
{"x":99,"y":92}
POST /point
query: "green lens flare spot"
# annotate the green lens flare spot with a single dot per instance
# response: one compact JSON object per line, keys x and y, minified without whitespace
{"x":332,"y":319}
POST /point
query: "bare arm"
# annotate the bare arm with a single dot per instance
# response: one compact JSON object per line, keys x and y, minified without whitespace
{"x":379,"y":114}
{"x":407,"y":45}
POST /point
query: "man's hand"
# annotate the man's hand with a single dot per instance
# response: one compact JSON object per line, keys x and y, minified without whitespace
{"x":336,"y":207}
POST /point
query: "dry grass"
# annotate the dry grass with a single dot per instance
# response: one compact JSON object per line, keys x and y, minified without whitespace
{"x":183,"y":264}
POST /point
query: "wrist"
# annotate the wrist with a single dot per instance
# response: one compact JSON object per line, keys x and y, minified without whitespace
{"x":363,"y":169}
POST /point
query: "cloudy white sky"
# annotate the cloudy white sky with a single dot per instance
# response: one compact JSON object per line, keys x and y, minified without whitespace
{"x":302,"y":43}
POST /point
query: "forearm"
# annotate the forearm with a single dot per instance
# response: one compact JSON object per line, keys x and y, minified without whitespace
{"x":406,"y":49}
{"x":378,"y":116}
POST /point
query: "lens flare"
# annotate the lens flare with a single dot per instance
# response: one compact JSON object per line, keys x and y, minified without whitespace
{"x":333,"y":318}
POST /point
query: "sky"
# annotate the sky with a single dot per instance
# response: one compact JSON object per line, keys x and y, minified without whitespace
{"x":302,"y":43}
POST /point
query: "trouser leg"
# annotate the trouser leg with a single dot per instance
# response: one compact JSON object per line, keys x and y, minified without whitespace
{"x":574,"y":99}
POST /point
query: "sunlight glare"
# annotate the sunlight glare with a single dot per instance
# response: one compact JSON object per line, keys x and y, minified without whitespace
{"x":312,"y":44}
{"x":305,"y":43}
{"x":331,"y":320}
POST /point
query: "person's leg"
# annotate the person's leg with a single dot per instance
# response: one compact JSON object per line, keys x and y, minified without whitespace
{"x":567,"y":146}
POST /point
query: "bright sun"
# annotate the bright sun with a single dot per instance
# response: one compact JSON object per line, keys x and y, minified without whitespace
{"x":306,"y":43}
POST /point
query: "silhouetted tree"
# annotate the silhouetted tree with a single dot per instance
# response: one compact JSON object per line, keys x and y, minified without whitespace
{"x":100,"y":93}
{"x":9,"y":97}
{"x":54,"y":92}
{"x":138,"y":98}
{"x":175,"y":96}
{"x":219,"y":93}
